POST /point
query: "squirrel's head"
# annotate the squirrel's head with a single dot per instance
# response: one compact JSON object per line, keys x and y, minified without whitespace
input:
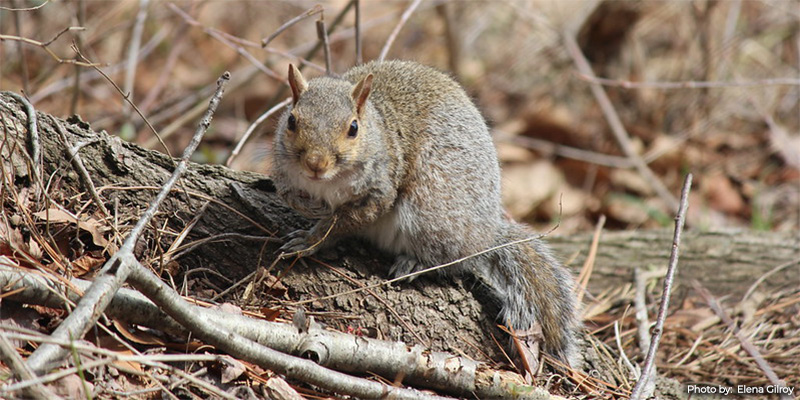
{"x":325,"y":134}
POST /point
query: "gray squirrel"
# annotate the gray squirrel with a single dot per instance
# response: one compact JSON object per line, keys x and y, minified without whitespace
{"x":397,"y":153}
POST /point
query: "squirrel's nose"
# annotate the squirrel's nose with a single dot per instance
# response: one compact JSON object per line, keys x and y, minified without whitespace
{"x":316,"y":163}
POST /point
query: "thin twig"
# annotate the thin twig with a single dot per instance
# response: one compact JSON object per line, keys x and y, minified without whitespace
{"x":638,"y":391}
{"x":397,"y":28}
{"x":424,"y":271}
{"x":322,"y":35}
{"x":688,"y":84}
{"x":77,"y":163}
{"x":88,"y":76}
{"x":127,"y":99}
{"x":359,"y":56}
{"x":617,"y":128}
{"x":746,"y":344}
{"x":133,"y":51}
{"x":250,"y":129}
{"x":179,"y":44}
{"x":311,"y":11}
{"x":76,"y":84}
{"x":588,"y":265}
{"x":239,"y":346}
{"x":117,"y":268}
{"x":25,"y":9}
{"x":12,"y":359}
{"x":574,"y":153}
{"x":216,"y":35}
{"x":769,"y":273}
{"x":45,"y":47}
{"x":21,"y":50}
{"x":33,"y":133}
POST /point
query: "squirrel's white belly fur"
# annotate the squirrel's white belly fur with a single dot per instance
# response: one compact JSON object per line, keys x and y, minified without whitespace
{"x":392,"y":230}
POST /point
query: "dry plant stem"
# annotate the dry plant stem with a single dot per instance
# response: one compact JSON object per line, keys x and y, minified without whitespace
{"x":128,"y":100}
{"x":424,"y":271}
{"x":359,"y":56}
{"x":243,"y":348}
{"x":76,"y":83}
{"x":688,"y":84}
{"x":615,"y":123}
{"x":746,"y":344}
{"x":47,"y":49}
{"x":12,"y":359}
{"x":179,"y":44}
{"x":344,"y":352}
{"x":588,"y":265}
{"x":574,"y":153}
{"x":25,"y":9}
{"x":33,"y":133}
{"x":88,"y":76}
{"x":250,"y":129}
{"x":638,"y":390}
{"x":763,"y":277}
{"x":116,"y":269}
{"x":216,"y":35}
{"x":21,"y":50}
{"x":397,"y":28}
{"x":322,"y":34}
{"x":152,"y":360}
{"x":133,"y":51}
{"x":77,"y":163}
{"x":317,"y":9}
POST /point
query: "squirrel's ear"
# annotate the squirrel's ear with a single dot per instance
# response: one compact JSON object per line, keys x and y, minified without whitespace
{"x":361,"y":92}
{"x":297,"y":83}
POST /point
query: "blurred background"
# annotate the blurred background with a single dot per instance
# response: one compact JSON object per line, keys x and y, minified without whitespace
{"x":708,"y":87}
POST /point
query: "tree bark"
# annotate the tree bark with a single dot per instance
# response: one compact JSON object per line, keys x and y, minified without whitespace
{"x":442,"y":313}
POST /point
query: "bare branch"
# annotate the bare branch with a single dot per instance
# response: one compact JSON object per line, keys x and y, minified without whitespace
{"x":688,"y":84}
{"x":77,"y":163}
{"x":680,"y":219}
{"x":12,"y":359}
{"x":616,"y":125}
{"x":746,"y":344}
{"x":45,"y":48}
{"x":250,"y":129}
{"x":397,"y":28}
{"x":133,"y":51}
{"x":359,"y":56}
{"x":25,"y":9}
{"x":311,"y":11}
{"x":322,"y":34}
{"x":117,"y":268}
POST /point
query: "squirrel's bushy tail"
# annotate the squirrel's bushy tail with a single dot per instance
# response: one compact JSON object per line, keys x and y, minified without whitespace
{"x":531,"y":286}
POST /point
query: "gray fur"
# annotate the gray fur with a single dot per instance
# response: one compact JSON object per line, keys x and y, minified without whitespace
{"x":421,"y":181}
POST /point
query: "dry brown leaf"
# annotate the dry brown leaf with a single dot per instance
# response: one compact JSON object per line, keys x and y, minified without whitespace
{"x":722,"y":195}
{"x":71,"y":387}
{"x":525,"y":186}
{"x":231,"y":368}
{"x":138,"y":337}
{"x":91,"y":225}
{"x":85,"y":264}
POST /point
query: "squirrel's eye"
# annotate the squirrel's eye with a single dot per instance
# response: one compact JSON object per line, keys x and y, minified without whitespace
{"x":353,"y":129}
{"x":291,"y":124}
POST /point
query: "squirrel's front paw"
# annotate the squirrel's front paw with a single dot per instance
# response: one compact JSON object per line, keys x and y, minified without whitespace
{"x":298,"y":242}
{"x":404,"y":265}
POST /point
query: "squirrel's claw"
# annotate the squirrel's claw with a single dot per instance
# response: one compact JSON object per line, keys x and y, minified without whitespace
{"x":297,"y":243}
{"x":404,"y":265}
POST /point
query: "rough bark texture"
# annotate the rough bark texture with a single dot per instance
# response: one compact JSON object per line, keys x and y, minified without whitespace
{"x":726,"y":262}
{"x":441,"y":313}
